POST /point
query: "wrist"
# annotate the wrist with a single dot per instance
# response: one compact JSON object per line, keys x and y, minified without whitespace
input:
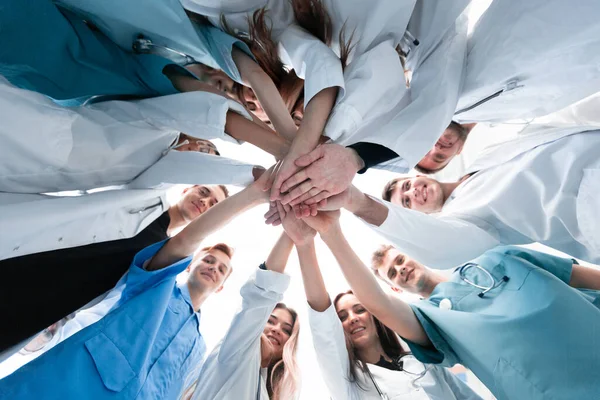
{"x":357,"y":161}
{"x":255,"y":194}
{"x":333,"y":233}
{"x":307,"y":245}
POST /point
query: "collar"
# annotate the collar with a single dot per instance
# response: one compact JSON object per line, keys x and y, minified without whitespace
{"x":185,"y":293}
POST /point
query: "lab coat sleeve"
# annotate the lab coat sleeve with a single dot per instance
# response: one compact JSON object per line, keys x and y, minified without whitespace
{"x":260,"y":294}
{"x":198,"y":114}
{"x":374,"y":84}
{"x":558,"y":266}
{"x":330,"y":347}
{"x":312,"y":61}
{"x":460,"y":389}
{"x":454,"y":239}
{"x":422,"y":117}
{"x":193,"y":168}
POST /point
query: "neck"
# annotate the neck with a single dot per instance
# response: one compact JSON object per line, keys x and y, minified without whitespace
{"x":448,"y":188}
{"x":198,"y":296}
{"x":372,"y":353}
{"x":432,"y":281}
{"x":176,"y":219}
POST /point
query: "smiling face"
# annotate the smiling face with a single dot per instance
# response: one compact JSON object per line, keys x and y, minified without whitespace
{"x":448,"y":146}
{"x":402,"y":272}
{"x":357,"y":322}
{"x":189,"y":143}
{"x":197,"y":199}
{"x":419,"y":193}
{"x":208,"y":270}
{"x":278,"y":330}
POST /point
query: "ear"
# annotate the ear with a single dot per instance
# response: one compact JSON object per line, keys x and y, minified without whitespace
{"x":185,"y":190}
{"x":395,"y":289}
{"x":219,"y":289}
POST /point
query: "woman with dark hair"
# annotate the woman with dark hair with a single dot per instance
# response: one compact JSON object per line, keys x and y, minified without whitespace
{"x":359,"y":357}
{"x":257,"y":357}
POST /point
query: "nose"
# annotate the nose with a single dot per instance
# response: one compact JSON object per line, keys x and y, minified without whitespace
{"x":276,"y":330}
{"x":402,"y":271}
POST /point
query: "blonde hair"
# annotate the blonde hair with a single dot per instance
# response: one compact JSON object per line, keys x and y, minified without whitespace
{"x":284,"y":376}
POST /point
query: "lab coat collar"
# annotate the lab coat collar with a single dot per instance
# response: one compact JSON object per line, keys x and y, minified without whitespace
{"x":185,"y":293}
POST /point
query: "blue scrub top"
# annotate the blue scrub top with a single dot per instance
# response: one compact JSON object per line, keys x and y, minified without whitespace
{"x":143,"y":349}
{"x":533,"y":337}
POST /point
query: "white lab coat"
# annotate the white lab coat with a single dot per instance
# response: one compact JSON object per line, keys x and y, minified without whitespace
{"x":32,"y":223}
{"x":542,"y":187}
{"x":310,"y":58}
{"x":546,"y":53}
{"x":231,"y":371}
{"x":332,"y":355}
{"x":49,"y":148}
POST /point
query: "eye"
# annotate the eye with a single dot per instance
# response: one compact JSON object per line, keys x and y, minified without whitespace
{"x":342,"y":316}
{"x":288,"y":332}
{"x":204,"y":191}
{"x":222,"y":270}
{"x":360,"y":310}
{"x":406,"y":202}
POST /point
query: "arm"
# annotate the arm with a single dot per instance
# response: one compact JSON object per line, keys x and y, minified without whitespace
{"x":266,"y":93}
{"x":189,"y":239}
{"x":278,"y":257}
{"x":585,"y":277}
{"x":415,"y":233}
{"x":242,"y":129}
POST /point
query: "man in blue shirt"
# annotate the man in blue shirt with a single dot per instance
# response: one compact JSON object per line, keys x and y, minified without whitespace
{"x":145,"y":347}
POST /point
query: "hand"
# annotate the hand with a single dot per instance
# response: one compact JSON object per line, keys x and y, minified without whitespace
{"x":328,"y":170}
{"x":262,"y":182}
{"x":296,"y":229}
{"x":325,"y":222}
{"x":287,"y":167}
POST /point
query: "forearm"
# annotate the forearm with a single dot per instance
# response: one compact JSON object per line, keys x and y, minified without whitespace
{"x":585,"y":277}
{"x":188,"y":240}
{"x":394,"y":313}
{"x":365,"y":208}
{"x":267,"y":94}
{"x":278,"y":257}
{"x":316,"y":113}
{"x":242,"y":129}
{"x":314,"y":286}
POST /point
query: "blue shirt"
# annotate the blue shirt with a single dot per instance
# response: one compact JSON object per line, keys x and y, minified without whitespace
{"x":142,"y":349}
{"x":533,"y":337}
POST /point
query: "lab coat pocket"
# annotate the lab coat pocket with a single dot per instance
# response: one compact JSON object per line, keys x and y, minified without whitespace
{"x":588,"y":207}
{"x":513,"y":383}
{"x":113,"y":367}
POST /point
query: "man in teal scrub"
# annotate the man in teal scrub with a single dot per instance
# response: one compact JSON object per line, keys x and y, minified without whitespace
{"x":510,"y":316}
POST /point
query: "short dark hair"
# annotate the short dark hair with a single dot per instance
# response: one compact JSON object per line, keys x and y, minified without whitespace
{"x":389,"y":189}
{"x":462,"y":136}
{"x":225,"y":190}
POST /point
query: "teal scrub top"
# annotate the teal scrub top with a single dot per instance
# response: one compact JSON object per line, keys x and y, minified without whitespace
{"x":143,"y":348}
{"x":533,"y":337}
{"x":84,"y":47}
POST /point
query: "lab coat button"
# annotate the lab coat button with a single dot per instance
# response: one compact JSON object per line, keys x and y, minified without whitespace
{"x":16,"y":248}
{"x":60,"y":239}
{"x":445,"y":304}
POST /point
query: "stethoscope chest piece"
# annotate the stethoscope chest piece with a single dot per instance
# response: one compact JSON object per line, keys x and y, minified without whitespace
{"x":484,"y":288}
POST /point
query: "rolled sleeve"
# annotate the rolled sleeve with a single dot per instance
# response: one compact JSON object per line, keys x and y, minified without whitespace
{"x":271,"y":281}
{"x":441,"y":352}
{"x":138,"y":278}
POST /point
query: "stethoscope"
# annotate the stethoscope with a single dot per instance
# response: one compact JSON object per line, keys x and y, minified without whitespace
{"x":414,"y":382}
{"x":484,"y":289}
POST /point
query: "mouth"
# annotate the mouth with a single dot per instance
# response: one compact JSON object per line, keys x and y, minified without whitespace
{"x":408,"y":275}
{"x":274,"y":340}
{"x":198,"y":207}
{"x":357,"y":330}
{"x":424,"y":193}
{"x":209,"y":276}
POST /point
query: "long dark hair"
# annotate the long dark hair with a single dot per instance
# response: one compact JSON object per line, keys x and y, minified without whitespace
{"x":387,"y":337}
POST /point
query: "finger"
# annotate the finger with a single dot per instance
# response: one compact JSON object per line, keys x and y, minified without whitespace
{"x":302,"y":199}
{"x":287,"y":208}
{"x":305,"y":211}
{"x":294,"y":180}
{"x":322,"y":204}
{"x":278,"y":179}
{"x":297,"y":211}
{"x":297,"y":192}
{"x":307,"y":159}
{"x":272,"y":210}
{"x":314,"y":200}
{"x":313,"y":210}
{"x":273,"y":174}
{"x":272,"y":219}
{"x":281,"y":211}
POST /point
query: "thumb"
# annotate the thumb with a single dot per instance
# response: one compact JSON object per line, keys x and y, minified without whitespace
{"x":307,"y":159}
